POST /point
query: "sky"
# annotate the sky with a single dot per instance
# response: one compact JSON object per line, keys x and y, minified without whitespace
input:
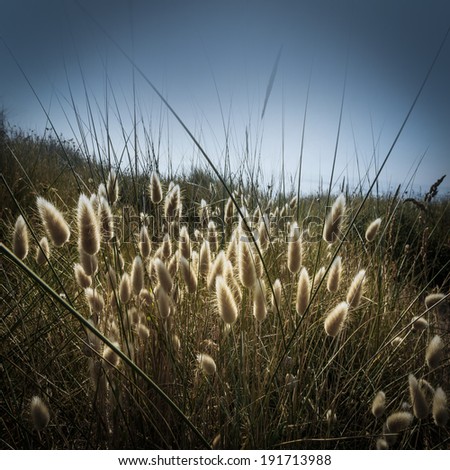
{"x":212,"y":60}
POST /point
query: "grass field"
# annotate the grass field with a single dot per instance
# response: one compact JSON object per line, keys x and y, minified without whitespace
{"x":146,"y":311}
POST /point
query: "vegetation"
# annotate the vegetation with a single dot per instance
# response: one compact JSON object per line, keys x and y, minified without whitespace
{"x":146,"y":311}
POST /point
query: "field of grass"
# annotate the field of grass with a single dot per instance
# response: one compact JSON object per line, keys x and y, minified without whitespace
{"x":148,"y":312}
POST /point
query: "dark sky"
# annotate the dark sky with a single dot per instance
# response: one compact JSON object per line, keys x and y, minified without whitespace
{"x":188,"y":48}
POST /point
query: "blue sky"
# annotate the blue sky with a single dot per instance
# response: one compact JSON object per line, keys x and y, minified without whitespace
{"x":214,"y":58}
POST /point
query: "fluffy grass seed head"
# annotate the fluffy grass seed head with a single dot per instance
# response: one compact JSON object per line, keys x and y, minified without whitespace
{"x":432,"y":299}
{"x":137,"y":275}
{"x":334,"y":275}
{"x":372,"y":230}
{"x":205,"y":259}
{"x":303,"y":291}
{"x":247,"y":271}
{"x":419,"y":324}
{"x":318,"y":276}
{"x":335,"y":320}
{"x":229,"y":211}
{"x":418,"y":400}
{"x":166,"y":247}
{"x":163,"y":302}
{"x":382,"y":444}
{"x":276,"y":295}
{"x":164,"y":277}
{"x":399,"y":421}
{"x":83,"y":280}
{"x":226,"y":303}
{"x":40,"y":415}
{"x":333,"y":221}
{"x":89,"y":262}
{"x":110,"y":358}
{"x":294,"y":254}
{"x":217,"y":269}
{"x":259,"y":300}
{"x":207,"y":364}
{"x":57,"y":229}
{"x":172,"y":203}
{"x":379,"y":404}
{"x":106,"y":219}
{"x":20,"y":238}
{"x":125,"y":288}
{"x":88,"y":226}
{"x":42,"y":251}
{"x":95,"y":301}
{"x":185,"y":242}
{"x":440,"y":409}
{"x":434,"y":353}
{"x":145,"y":244}
{"x":112,"y":187}
{"x":212,"y":236}
{"x":189,"y":274}
{"x":155,"y":189}
{"x":355,"y":290}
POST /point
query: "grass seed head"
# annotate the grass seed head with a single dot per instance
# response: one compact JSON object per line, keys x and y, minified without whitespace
{"x":276,"y":295}
{"x":419,"y":324}
{"x":106,"y":220}
{"x":88,"y":226}
{"x":20,"y":238}
{"x":185,"y":243}
{"x":137,"y":275}
{"x":164,"y":277}
{"x":399,"y":421}
{"x":83,"y":280}
{"x":207,"y":364}
{"x":212,"y":237}
{"x":303,"y":291}
{"x":112,"y":187}
{"x":155,"y":189}
{"x":226,"y":303}
{"x":355,"y":290}
{"x":205,"y":259}
{"x":95,"y":301}
{"x":333,"y":221}
{"x":189,"y":274}
{"x":335,"y":320}
{"x":432,"y":299}
{"x":172,"y":203}
{"x":294,"y":256}
{"x":145,"y":245}
{"x":247,"y":272}
{"x":42,"y":251}
{"x":40,"y":415}
{"x":440,"y":409}
{"x":334,"y":275}
{"x":434,"y":353}
{"x":418,"y":400}
{"x":163,"y":301}
{"x":382,"y":444}
{"x":125,"y":288}
{"x":217,"y":269}
{"x":372,"y":230}
{"x":57,"y":229}
{"x":110,"y":358}
{"x":259,"y":300}
{"x":379,"y":404}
